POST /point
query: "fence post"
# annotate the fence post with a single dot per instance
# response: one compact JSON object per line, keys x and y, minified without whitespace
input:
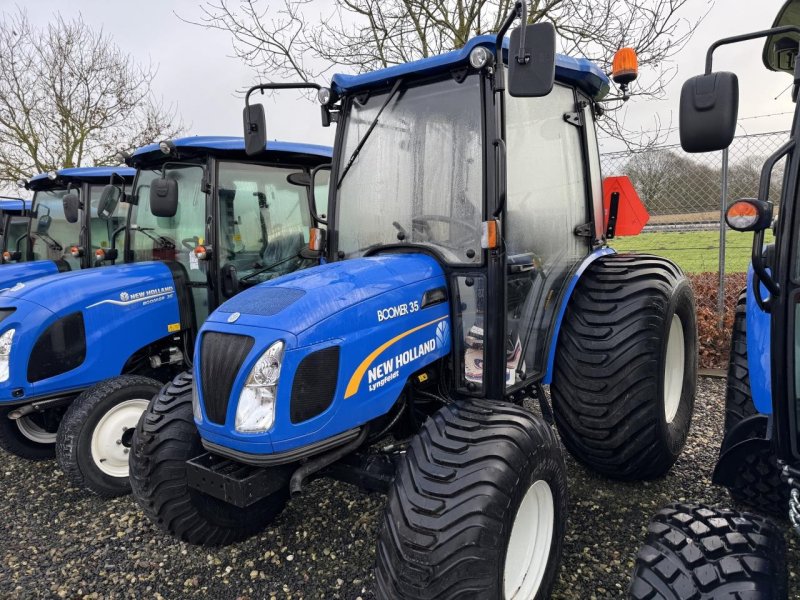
{"x":722,"y":227}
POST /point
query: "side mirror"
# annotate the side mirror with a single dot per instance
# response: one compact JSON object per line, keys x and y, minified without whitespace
{"x":532,"y":60}
{"x":781,"y":49}
{"x":43,"y":225}
{"x":301,"y":179}
{"x":109,"y":199}
{"x":708,"y":112}
{"x":320,"y":178}
{"x":255,"y":129}
{"x":749,"y":214}
{"x":164,"y":197}
{"x":72,"y":206}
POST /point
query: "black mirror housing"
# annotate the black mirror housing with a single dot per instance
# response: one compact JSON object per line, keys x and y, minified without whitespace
{"x":255,"y":129}
{"x":72,"y":206}
{"x":532,"y":74}
{"x":708,"y":112}
{"x":109,"y":199}
{"x":301,"y":178}
{"x":164,"y":197}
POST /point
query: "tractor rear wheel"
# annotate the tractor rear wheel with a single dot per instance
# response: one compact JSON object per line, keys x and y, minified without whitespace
{"x":758,"y":482}
{"x":33,"y":436}
{"x":164,"y":439}
{"x":478,"y":508}
{"x":704,"y":553}
{"x":626,"y":367}
{"x":94,"y":438}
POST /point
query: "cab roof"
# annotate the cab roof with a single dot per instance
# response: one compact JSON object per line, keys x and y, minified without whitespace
{"x":230,"y":147}
{"x":43,"y":181}
{"x":17,"y":205}
{"x":578,"y":72}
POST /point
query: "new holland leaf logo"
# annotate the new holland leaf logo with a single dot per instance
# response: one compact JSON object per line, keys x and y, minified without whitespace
{"x":442,"y":334}
{"x":124,"y":296}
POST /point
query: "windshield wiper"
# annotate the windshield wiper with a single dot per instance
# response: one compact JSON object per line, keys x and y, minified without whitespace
{"x":372,"y":125}
{"x":272,"y":266}
{"x":160,"y":239}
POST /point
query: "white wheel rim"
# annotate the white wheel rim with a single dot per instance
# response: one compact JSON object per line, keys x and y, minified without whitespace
{"x":674,"y":366}
{"x":529,"y":544}
{"x":109,"y":453}
{"x":34,"y":432}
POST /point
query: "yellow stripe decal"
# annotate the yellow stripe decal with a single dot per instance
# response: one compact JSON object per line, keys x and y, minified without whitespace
{"x":355,"y":380}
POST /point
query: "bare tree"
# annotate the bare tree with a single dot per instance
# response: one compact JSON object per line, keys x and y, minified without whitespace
{"x":70,"y":97}
{"x":286,"y":40}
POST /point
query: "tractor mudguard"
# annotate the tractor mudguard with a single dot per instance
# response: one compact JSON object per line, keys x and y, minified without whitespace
{"x":759,"y":354}
{"x":354,"y":331}
{"x":746,"y":438}
{"x":19,"y":273}
{"x":75,"y":329}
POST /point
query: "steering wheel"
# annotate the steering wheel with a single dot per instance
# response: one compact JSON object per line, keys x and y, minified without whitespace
{"x":424,"y":219}
{"x":189,"y":243}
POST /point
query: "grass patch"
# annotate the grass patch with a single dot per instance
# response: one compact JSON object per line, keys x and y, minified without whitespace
{"x":694,"y":251}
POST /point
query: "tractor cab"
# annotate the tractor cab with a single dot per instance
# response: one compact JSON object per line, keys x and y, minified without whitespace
{"x":760,"y":456}
{"x":14,"y":219}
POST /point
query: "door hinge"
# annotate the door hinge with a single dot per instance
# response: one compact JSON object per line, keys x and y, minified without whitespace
{"x":574,"y":118}
{"x":585,"y":230}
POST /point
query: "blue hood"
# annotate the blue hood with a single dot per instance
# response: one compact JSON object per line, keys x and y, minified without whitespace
{"x":15,"y":274}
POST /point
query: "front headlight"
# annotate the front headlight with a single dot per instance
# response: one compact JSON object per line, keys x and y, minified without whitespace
{"x":198,"y":414}
{"x":5,"y":353}
{"x":256,"y":410}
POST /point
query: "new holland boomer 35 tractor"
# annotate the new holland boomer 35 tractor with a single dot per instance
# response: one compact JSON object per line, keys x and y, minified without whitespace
{"x":702,"y":552}
{"x":64,"y":227}
{"x":82,"y":353}
{"x":466,"y":267}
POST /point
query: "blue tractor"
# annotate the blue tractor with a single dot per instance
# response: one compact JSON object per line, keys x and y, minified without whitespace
{"x":15,"y":214}
{"x":696,"y":551}
{"x":81,"y":353}
{"x":65,"y":226}
{"x":467,"y":266}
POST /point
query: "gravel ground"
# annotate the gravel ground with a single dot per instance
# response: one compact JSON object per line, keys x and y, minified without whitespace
{"x":60,"y":542}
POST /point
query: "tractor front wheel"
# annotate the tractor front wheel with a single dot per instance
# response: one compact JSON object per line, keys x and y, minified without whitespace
{"x":94,"y":438}
{"x":164,"y":439}
{"x":478,"y":508}
{"x":32,"y":436}
{"x":626,"y":367}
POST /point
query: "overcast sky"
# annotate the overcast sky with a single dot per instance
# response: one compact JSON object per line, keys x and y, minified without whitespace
{"x":197,"y":74}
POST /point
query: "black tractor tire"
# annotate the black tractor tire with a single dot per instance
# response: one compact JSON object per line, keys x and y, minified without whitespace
{"x":694,"y":552}
{"x":610,"y":384}
{"x":85,"y":433}
{"x":448,"y":522}
{"x":758,"y":482}
{"x":29,"y":439}
{"x":165,"y":438}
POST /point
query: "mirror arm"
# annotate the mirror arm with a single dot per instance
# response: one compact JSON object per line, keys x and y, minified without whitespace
{"x":278,"y":86}
{"x":114,"y":235}
{"x":746,"y":37}
{"x":520,"y":9}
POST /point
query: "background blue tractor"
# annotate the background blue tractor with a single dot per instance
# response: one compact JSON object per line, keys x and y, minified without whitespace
{"x":699,"y":551}
{"x":65,"y":227}
{"x":467,"y":266}
{"x":82,"y":353}
{"x":15,"y":214}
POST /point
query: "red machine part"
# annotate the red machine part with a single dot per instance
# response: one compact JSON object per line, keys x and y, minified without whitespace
{"x":632,"y":216}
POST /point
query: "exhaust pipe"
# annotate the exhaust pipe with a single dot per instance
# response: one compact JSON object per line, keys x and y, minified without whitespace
{"x":317,"y":464}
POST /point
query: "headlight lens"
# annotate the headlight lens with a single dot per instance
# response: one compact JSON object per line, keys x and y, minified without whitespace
{"x":198,"y":414}
{"x":256,"y":410}
{"x":5,"y":352}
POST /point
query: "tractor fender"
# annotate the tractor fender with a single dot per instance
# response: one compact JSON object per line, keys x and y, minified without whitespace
{"x":748,"y":437}
{"x":551,"y":355}
{"x":16,"y":274}
{"x":759,"y":353}
{"x":113,"y":312}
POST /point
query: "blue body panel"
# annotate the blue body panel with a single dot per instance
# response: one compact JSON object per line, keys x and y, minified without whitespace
{"x":551,"y":356}
{"x":15,"y":205}
{"x":12,"y":274}
{"x":759,"y":354}
{"x":579,"y":72}
{"x":125,"y":308}
{"x":334,"y":304}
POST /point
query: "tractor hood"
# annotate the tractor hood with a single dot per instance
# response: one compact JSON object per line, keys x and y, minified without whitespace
{"x":15,"y":274}
{"x":298,"y":302}
{"x":79,"y":290}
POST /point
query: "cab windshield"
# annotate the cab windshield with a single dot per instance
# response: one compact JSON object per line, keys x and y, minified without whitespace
{"x":51,"y":234}
{"x":418,"y":178}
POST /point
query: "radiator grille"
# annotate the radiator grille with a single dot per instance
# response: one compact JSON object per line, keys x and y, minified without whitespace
{"x":314,"y":384}
{"x":221,"y":358}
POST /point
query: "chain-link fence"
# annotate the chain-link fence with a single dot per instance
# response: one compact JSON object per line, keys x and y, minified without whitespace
{"x":684,"y":195}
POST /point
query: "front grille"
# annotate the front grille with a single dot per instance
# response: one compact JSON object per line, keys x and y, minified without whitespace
{"x":221,"y":358}
{"x":314,"y":384}
{"x":61,"y":348}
